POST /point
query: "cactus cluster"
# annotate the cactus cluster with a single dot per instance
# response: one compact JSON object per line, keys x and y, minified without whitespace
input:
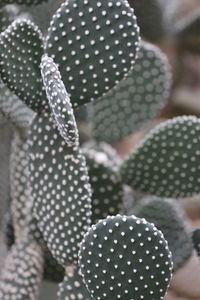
{"x":65,"y":220}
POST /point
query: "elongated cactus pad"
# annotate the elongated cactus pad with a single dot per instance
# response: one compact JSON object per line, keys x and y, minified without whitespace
{"x":125,"y":258}
{"x":169,"y":218}
{"x":94,"y":44}
{"x":21,"y":48}
{"x":73,"y":286}
{"x":59,"y":101}
{"x":166,"y":162}
{"x":27,"y":2}
{"x":106,"y":184}
{"x":62,"y":195}
{"x":135,"y":100}
{"x":196,"y":240}
{"x":22,"y":273}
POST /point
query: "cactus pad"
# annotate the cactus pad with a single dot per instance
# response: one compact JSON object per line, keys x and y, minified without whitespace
{"x":73,"y":286}
{"x":22,"y":272}
{"x":169,"y":218}
{"x":94,"y":44}
{"x":165,"y":163}
{"x":62,"y":195}
{"x":59,"y":101}
{"x":135,"y":100}
{"x":107,"y":188}
{"x":21,"y":48}
{"x":125,"y":258}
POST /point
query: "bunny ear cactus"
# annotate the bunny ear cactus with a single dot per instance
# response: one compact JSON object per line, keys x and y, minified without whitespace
{"x":135,"y":100}
{"x":73,"y":286}
{"x":22,"y":273}
{"x":125,"y":258}
{"x":94,"y":43}
{"x":106,"y":184}
{"x":196,"y":240}
{"x":165,"y":163}
{"x":62,"y":197}
{"x":21,"y":48}
{"x":169,"y":218}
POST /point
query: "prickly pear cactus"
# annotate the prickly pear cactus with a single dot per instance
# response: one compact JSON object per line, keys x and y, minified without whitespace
{"x":196,"y":240}
{"x":22,"y":274}
{"x":94,"y":44}
{"x":169,"y":218}
{"x":106,"y":184}
{"x":135,"y":100}
{"x":165,"y":163}
{"x":24,"y":58}
{"x":125,"y":257}
{"x":73,"y":286}
{"x":62,"y":198}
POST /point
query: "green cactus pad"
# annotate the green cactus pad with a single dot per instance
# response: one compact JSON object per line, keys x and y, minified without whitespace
{"x":150,"y":18}
{"x":21,"y":48}
{"x":60,"y":189}
{"x":94,"y":44}
{"x":26,"y":2}
{"x":73,"y":286}
{"x":59,"y":101}
{"x":166,"y":162}
{"x":135,"y":100}
{"x":169,"y":218}
{"x":22,"y":273}
{"x":125,"y":258}
{"x":18,"y":114}
{"x":196,"y":240}
{"x":107,"y":188}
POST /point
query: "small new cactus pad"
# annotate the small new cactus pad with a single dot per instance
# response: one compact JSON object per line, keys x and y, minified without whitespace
{"x":107,"y":150}
{"x":169,"y":218}
{"x":59,"y":101}
{"x":106,"y":184}
{"x":26,"y":2}
{"x":166,"y":162}
{"x":22,"y":273}
{"x":150,"y":18}
{"x":18,"y":114}
{"x":136,"y":99}
{"x":125,"y":258}
{"x":61,"y":196}
{"x":73,"y":286}
{"x":21,"y":48}
{"x":94,"y":43}
{"x":196,"y":240}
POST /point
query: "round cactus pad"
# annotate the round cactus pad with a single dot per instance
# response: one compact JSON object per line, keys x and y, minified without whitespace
{"x":166,"y":162}
{"x":135,"y":100}
{"x":125,"y":258}
{"x":94,"y":43}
